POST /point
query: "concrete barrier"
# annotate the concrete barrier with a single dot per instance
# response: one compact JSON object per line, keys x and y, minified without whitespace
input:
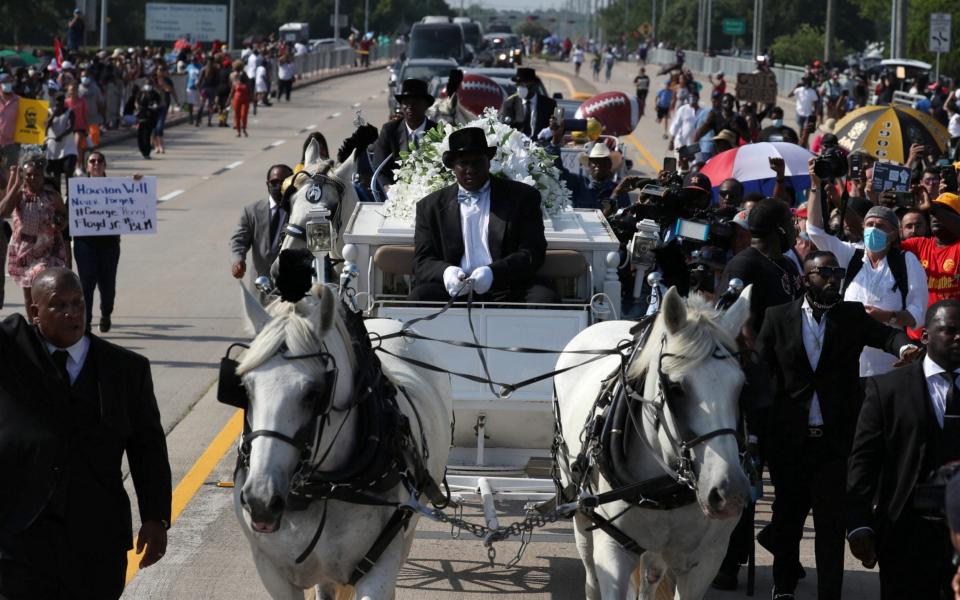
{"x":788,"y":76}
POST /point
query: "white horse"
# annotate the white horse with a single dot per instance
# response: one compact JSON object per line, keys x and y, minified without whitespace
{"x":322,"y":181}
{"x":693,"y":344}
{"x":281,"y":390}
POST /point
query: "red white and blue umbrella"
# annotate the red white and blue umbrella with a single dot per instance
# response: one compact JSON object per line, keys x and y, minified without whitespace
{"x":750,"y":165}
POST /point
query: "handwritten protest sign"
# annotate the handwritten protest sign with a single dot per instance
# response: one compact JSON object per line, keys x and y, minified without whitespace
{"x":112,"y":205}
{"x":890,"y":176}
{"x":757,"y":87}
{"x":31,"y":122}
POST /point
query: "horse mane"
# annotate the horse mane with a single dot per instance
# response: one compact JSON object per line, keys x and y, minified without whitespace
{"x":288,"y":326}
{"x":696,"y":341}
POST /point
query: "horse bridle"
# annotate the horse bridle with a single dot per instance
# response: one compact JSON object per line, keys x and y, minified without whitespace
{"x":306,"y":440}
{"x":666,"y":396}
{"x":314,"y":195}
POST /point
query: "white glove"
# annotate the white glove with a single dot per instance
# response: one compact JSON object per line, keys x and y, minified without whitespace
{"x":482,"y":278}
{"x":453,"y":278}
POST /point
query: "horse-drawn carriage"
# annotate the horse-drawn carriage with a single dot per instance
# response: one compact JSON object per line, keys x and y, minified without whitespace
{"x":352,"y":394}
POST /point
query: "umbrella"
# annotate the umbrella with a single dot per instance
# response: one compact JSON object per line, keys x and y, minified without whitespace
{"x":13,"y":57}
{"x":888,"y":131}
{"x":749,"y":164}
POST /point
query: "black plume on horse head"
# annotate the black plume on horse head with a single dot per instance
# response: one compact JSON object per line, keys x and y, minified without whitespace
{"x":361,"y":138}
{"x":295,"y":274}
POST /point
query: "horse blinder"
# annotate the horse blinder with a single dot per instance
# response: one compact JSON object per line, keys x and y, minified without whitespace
{"x":230,"y":390}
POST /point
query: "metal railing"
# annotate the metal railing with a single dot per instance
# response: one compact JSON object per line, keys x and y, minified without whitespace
{"x":788,"y":76}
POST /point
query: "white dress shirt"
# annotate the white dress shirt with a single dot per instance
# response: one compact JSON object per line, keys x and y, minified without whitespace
{"x":937,"y":386}
{"x":475,"y":224}
{"x":77,"y":355}
{"x":813,"y":333}
{"x":530,"y":107}
{"x":414,"y":135}
{"x":874,"y":287}
{"x":684,"y":125}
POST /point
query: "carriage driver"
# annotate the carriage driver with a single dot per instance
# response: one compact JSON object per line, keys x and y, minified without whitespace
{"x":483,"y":232}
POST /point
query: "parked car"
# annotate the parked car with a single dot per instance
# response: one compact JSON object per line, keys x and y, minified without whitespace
{"x":327,"y":44}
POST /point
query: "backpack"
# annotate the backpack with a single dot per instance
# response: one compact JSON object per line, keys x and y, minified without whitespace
{"x":897,"y":260}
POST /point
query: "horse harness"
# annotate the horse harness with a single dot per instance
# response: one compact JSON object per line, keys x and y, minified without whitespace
{"x":389,"y":453}
{"x":314,"y":195}
{"x":604,"y":447}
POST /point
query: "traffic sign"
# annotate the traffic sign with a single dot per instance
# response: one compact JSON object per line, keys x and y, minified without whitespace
{"x":646,"y":28}
{"x":940,"y":32}
{"x":734,"y":26}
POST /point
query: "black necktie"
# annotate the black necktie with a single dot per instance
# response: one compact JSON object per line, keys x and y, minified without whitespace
{"x":274,"y":224}
{"x":60,"y":359}
{"x":952,"y":404}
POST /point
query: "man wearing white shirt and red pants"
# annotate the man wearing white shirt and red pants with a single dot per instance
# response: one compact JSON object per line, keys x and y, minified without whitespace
{"x":483,"y":233}
{"x":890,"y":283}
{"x":812,"y":346}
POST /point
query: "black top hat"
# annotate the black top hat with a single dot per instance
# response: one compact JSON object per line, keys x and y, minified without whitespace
{"x":525,"y":74}
{"x":416,"y":88}
{"x":466,"y":140}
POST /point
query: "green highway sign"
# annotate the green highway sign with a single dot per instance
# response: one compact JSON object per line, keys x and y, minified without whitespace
{"x":734,"y":26}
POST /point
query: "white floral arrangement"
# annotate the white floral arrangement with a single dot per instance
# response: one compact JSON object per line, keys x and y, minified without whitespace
{"x":421,"y":171}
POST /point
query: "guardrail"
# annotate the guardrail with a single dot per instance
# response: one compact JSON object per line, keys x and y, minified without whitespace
{"x":788,"y":76}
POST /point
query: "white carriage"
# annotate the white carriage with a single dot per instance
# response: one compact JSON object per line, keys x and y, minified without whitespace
{"x":496,"y":435}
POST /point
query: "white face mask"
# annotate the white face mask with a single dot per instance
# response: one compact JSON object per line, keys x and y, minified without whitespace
{"x":6,"y":87}
{"x":522,"y":91}
{"x":147,"y":88}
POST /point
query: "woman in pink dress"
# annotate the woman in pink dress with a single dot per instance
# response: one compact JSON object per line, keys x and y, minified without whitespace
{"x":39,"y":214}
{"x":78,"y":104}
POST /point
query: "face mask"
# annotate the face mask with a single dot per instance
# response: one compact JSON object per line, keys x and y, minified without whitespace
{"x":7,"y":88}
{"x":778,"y":122}
{"x":85,"y":80}
{"x":147,"y":88}
{"x":874,"y":240}
{"x":522,"y":91}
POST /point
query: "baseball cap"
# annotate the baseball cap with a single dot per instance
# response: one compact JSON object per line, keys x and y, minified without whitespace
{"x":697,"y":181}
{"x":950,"y":200}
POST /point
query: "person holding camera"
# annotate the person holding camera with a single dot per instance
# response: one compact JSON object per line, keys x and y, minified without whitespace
{"x":908,"y":428}
{"x":890,"y":283}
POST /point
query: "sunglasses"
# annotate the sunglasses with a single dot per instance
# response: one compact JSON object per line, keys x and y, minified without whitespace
{"x":829,"y":272}
{"x":725,"y":192}
{"x":96,"y":161}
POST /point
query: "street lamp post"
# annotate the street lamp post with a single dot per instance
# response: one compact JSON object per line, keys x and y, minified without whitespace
{"x":103,"y":24}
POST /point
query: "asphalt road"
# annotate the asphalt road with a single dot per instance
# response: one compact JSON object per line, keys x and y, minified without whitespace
{"x":178,"y":305}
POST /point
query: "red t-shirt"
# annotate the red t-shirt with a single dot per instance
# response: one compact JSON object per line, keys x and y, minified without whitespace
{"x":940,"y":263}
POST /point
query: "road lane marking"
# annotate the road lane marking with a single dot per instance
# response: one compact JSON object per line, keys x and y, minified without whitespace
{"x":234,"y":165}
{"x":193,"y":480}
{"x":630,"y":138}
{"x":275,"y":144}
{"x":333,"y":116}
{"x":170,"y":196}
{"x":355,"y":105}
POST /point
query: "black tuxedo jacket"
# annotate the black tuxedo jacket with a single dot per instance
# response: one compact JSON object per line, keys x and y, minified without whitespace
{"x":889,"y":447}
{"x":393,"y":138}
{"x":513,"y":113}
{"x":515,"y":234}
{"x":40,"y":446}
{"x":836,"y":379}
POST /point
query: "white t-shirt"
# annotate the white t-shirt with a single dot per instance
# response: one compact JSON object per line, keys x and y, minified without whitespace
{"x":806,"y":101}
{"x":251,"y":68}
{"x":261,"y":79}
{"x":286,"y":71}
{"x":684,"y":125}
{"x":954,"y":126}
{"x":578,"y":55}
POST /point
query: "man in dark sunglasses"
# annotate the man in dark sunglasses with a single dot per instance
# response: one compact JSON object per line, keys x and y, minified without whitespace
{"x":816,"y":399}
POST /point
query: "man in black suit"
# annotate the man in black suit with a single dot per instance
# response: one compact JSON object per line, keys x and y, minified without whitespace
{"x":528,"y":110}
{"x":71,"y":406}
{"x":909,"y":427}
{"x":812,"y":347}
{"x":484,"y":232}
{"x":397,"y":135}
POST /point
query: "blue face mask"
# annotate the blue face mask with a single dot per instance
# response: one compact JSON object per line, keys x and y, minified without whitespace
{"x":874,"y":240}
{"x":778,"y":122}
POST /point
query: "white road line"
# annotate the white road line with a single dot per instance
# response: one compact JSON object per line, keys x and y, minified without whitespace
{"x":333,"y":116}
{"x":311,"y":126}
{"x":170,"y":196}
{"x":278,"y":143}
{"x":371,"y":97}
{"x":355,"y":105}
{"x":234,"y":165}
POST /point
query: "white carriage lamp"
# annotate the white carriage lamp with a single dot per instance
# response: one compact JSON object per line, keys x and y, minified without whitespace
{"x":645,"y":241}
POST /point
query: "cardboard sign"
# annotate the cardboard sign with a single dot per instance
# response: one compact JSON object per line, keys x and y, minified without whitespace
{"x":31,"y":127}
{"x":112,"y":205}
{"x":890,"y":176}
{"x":757,"y":87}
